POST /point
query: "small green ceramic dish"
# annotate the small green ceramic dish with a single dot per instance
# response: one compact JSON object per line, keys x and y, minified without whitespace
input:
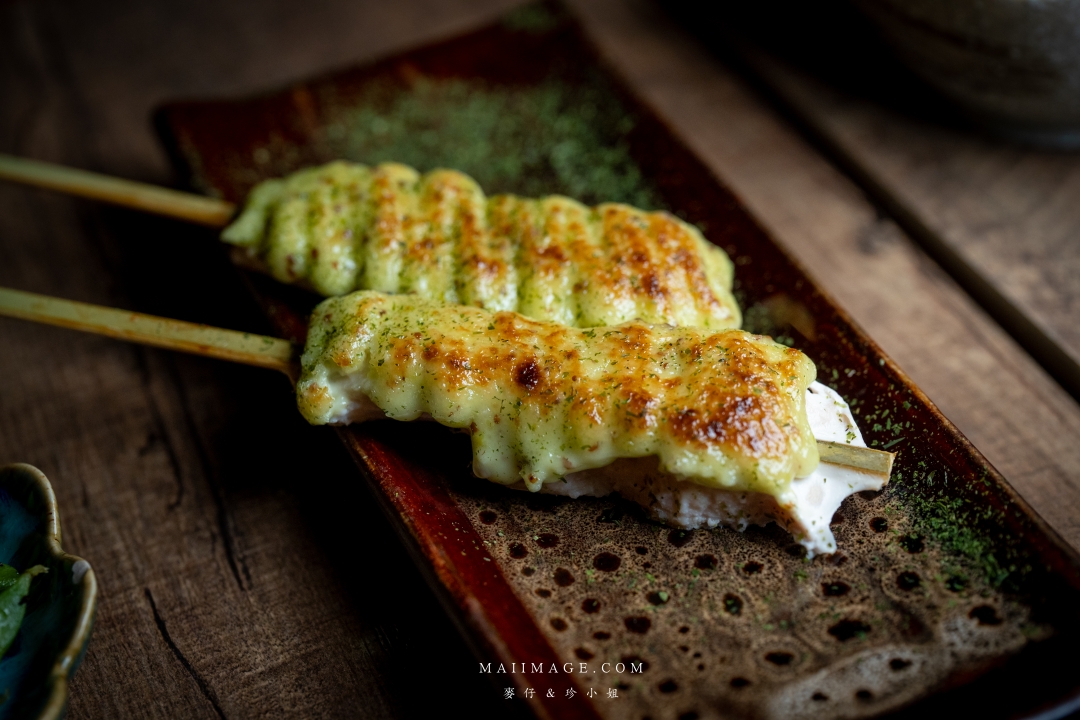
{"x":34,"y":673}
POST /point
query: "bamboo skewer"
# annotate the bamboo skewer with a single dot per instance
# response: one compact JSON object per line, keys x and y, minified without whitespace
{"x":127,"y":193}
{"x":876,"y":462}
{"x":241,"y":347}
{"x":263,"y":351}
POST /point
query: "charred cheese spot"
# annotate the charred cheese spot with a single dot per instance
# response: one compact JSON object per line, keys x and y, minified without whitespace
{"x":527,"y":374}
{"x":653,"y":287}
{"x":739,"y":421}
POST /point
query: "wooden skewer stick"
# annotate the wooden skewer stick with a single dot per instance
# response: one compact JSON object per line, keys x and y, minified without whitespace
{"x":262,"y":351}
{"x":877,"y":462}
{"x":241,"y":347}
{"x":128,"y":193}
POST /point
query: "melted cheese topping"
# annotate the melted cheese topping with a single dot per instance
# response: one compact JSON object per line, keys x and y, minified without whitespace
{"x":542,"y":400}
{"x":343,"y":227}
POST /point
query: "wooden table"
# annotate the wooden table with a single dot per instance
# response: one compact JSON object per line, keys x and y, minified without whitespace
{"x":230,"y":587}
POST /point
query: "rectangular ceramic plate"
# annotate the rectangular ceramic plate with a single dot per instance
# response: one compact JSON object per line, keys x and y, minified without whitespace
{"x":948,"y":592}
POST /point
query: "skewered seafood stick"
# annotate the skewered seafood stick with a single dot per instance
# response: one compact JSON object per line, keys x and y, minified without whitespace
{"x":701,"y":429}
{"x":342,"y":226}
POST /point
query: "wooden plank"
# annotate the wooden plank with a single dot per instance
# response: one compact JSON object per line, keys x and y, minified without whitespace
{"x":980,"y":378}
{"x":999,"y":218}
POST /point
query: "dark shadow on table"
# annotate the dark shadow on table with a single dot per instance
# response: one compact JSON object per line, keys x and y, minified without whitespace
{"x":829,"y":40}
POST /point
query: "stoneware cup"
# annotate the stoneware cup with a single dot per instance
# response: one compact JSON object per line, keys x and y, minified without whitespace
{"x":35,"y":671}
{"x":1012,"y":65}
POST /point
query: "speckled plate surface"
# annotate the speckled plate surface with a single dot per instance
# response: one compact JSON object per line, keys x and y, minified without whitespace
{"x":60,"y":607}
{"x":948,"y":593}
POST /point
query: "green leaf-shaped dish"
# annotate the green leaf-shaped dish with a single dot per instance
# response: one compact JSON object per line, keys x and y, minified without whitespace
{"x":35,"y":671}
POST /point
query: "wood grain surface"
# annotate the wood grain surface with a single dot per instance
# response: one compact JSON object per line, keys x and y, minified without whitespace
{"x":244,"y":570}
{"x":999,"y":213}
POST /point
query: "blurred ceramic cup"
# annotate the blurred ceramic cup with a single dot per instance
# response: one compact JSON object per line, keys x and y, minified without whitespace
{"x":1014,"y":65}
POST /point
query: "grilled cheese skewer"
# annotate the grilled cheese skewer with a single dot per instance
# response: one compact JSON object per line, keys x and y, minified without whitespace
{"x":341,"y":227}
{"x":701,"y":429}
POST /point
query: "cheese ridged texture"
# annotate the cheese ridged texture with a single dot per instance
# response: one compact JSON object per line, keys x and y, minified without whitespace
{"x":542,"y":400}
{"x":342,"y":227}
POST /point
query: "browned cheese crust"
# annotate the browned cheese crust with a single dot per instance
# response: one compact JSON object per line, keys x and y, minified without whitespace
{"x":343,"y":227}
{"x":543,"y":400}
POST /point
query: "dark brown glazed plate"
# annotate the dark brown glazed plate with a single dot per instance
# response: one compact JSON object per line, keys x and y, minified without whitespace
{"x":948,"y":592}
